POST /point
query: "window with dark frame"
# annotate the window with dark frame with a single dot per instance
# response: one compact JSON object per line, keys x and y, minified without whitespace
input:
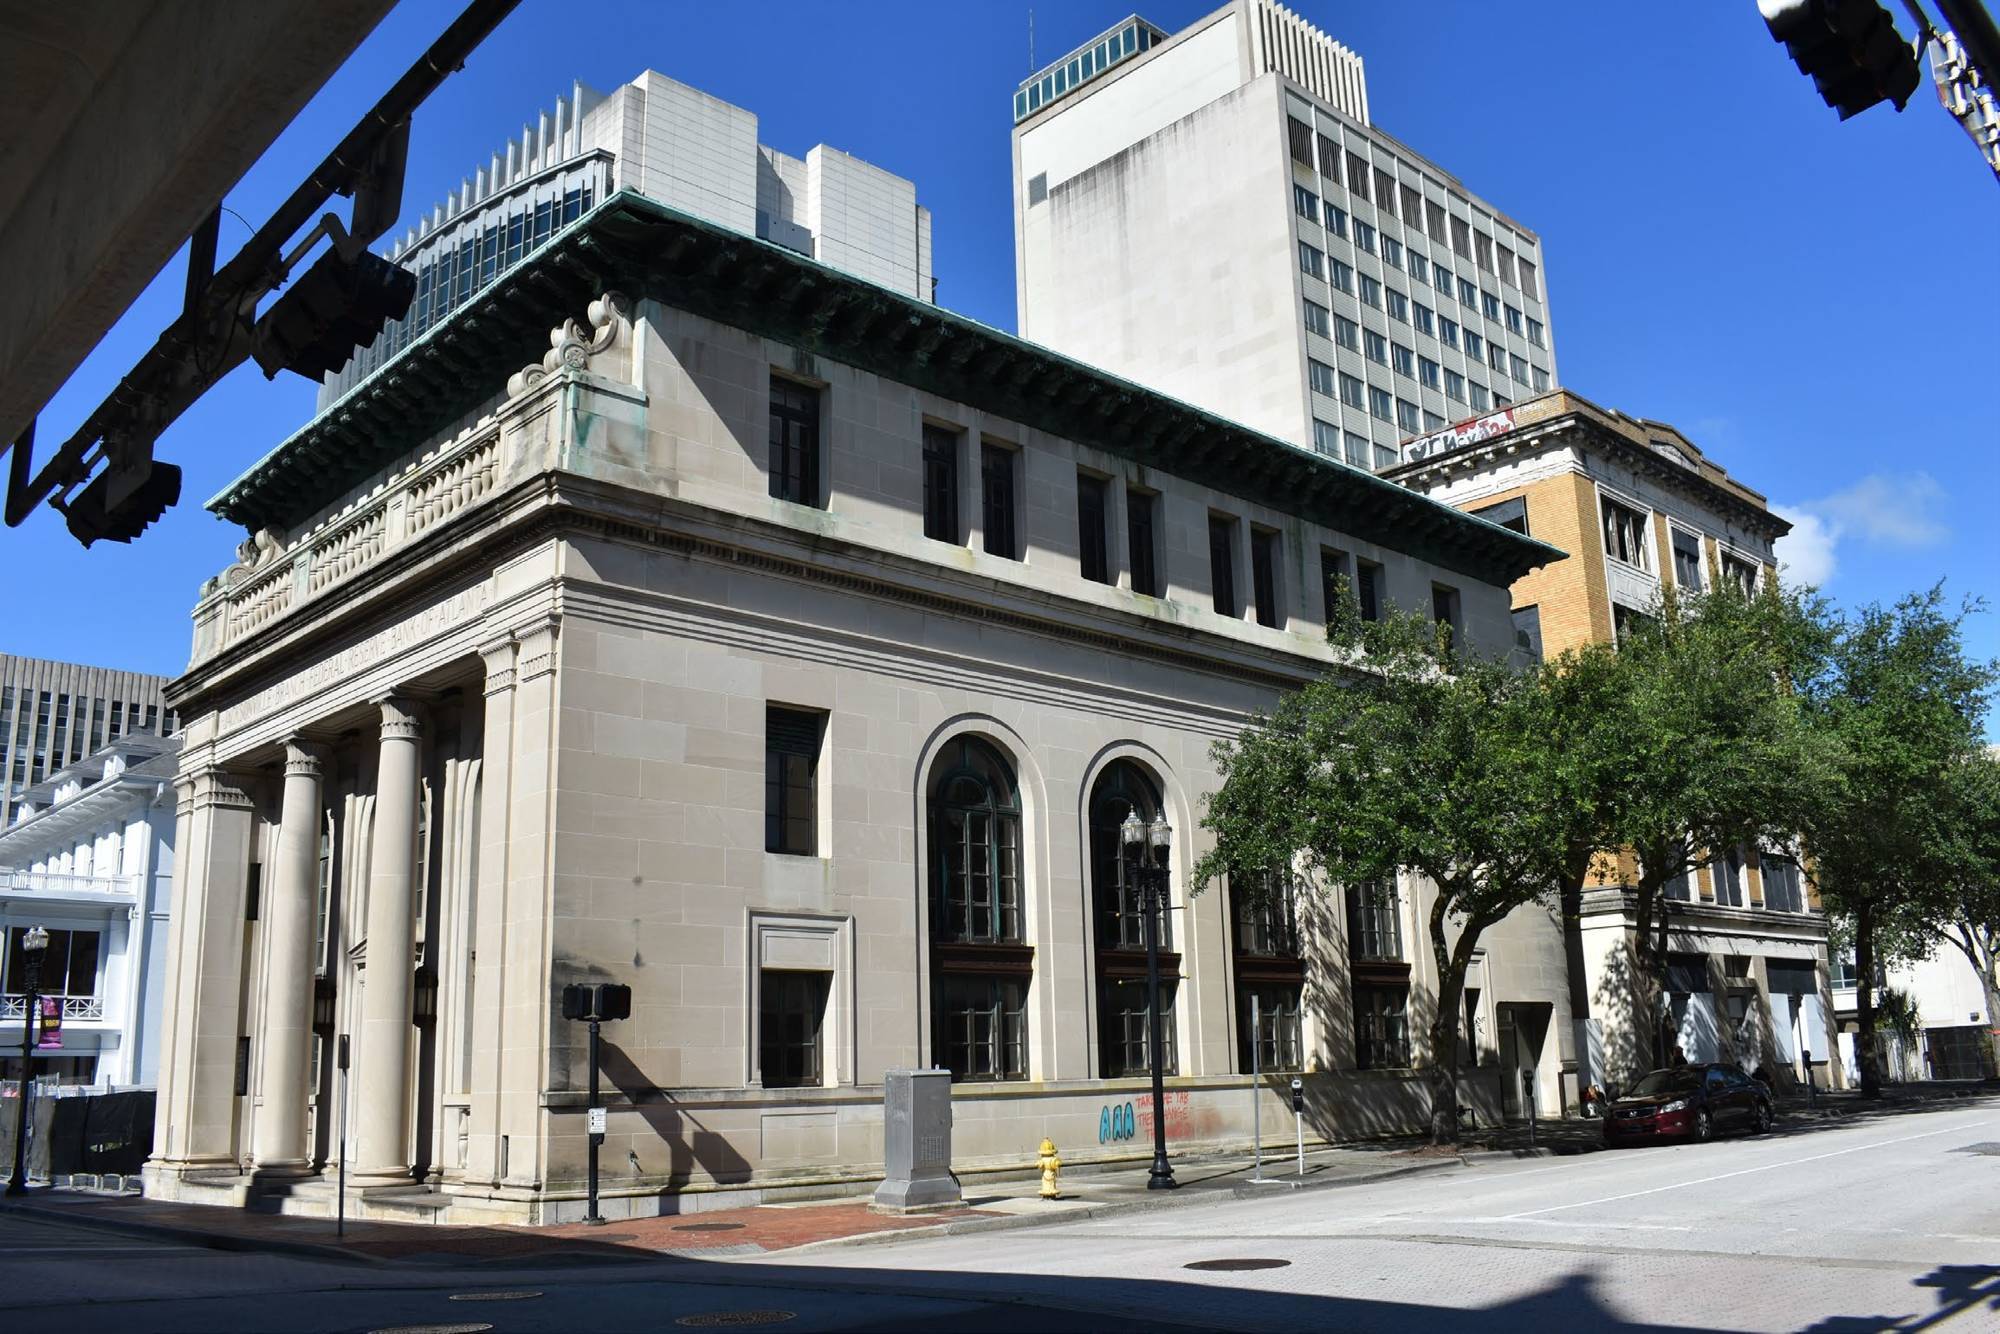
{"x":1092,"y":529}
{"x":996,"y":501}
{"x":791,"y":780}
{"x":791,"y":1022}
{"x":1119,"y":903}
{"x":1336,"y":581}
{"x":1357,"y":175}
{"x":1276,"y":1006}
{"x":1625,"y":534}
{"x":981,"y":962}
{"x":1374,"y":922}
{"x":941,"y":484}
{"x":1528,"y":631}
{"x":1139,"y":508}
{"x":1783,"y":890}
{"x":1299,"y":136}
{"x":1222,"y":564}
{"x":1687,"y":561}
{"x":1368,"y":588}
{"x":1381,"y":1027}
{"x":1264,"y":575}
{"x":1329,"y":158}
{"x":1512,"y":513}
{"x":794,"y":457}
{"x":1445,"y":610}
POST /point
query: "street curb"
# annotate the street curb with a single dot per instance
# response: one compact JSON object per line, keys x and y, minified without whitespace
{"x":214,"y":1241}
{"x":1110,"y":1208}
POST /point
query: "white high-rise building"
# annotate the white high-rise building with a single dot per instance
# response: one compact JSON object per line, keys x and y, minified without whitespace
{"x":674,"y":144}
{"x":1213,"y":212}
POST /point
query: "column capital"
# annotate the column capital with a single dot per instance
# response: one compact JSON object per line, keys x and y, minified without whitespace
{"x":403,"y":716}
{"x":216,"y":786}
{"x":537,"y":639}
{"x":497,"y":655}
{"x":304,"y":758}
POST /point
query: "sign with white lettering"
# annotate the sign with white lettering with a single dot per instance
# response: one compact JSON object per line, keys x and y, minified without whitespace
{"x":1469,"y":432}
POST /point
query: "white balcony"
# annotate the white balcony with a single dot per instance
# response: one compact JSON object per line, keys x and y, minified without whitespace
{"x":91,"y":890}
{"x":89,"y":1008}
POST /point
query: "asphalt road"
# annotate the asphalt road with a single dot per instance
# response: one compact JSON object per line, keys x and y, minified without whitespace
{"x":1886,"y":1223}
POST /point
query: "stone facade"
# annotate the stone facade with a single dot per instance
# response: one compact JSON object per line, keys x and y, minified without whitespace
{"x":1569,"y":472}
{"x":532,"y":674}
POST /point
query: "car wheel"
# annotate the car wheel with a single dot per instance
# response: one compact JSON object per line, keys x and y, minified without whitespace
{"x":1762,"y":1121}
{"x":1704,"y":1127}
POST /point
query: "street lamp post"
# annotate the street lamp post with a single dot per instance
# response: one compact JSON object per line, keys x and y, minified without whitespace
{"x":1146,"y":849}
{"x":33,"y":941}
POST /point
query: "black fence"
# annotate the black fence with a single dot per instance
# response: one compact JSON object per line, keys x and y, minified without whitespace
{"x":97,"y":1134}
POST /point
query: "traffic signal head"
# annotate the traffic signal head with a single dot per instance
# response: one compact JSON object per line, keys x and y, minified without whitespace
{"x":1850,"y":49}
{"x":331,"y":309}
{"x":92,"y":513}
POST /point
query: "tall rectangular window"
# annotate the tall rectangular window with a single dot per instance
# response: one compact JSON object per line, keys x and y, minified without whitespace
{"x":1299,"y":138}
{"x":1403,"y":360}
{"x":1447,"y":331}
{"x":1428,"y":373}
{"x":792,"y":740}
{"x":1399,"y":306}
{"x":1311,"y":261}
{"x":1528,"y":278}
{"x":1371,"y":291}
{"x":1482,"y":246}
{"x":1139,"y":533}
{"x":1276,"y":1007}
{"x":1537,"y":334}
{"x":1364,"y":237}
{"x":1741,"y":573}
{"x":1342,"y":276}
{"x":1374,"y":922}
{"x":1381,"y":1027}
{"x":1385,"y":191}
{"x":794,"y":442}
{"x":1625,"y":534}
{"x":1326,"y":438}
{"x":940,"y":484}
{"x":1375,"y":347}
{"x":1336,"y":582}
{"x":1507,"y":268}
{"x":1356,"y":449}
{"x":1347,"y":333}
{"x":1092,"y":527}
{"x":996,"y":501}
{"x":1368,"y":580}
{"x":1222,"y":564}
{"x":1264,"y":553}
{"x":1454,"y":386}
{"x":1468,"y":294}
{"x":1392,"y":252}
{"x":1408,"y":418}
{"x":1380,"y":404}
{"x":1461,"y":238}
{"x":1444,"y":610}
{"x":1329,"y":158}
{"x":1352,"y":391}
{"x":1357,"y":175}
{"x":1413,"y":206}
{"x":1782,"y":888}
{"x":790,"y":1027}
{"x":1316,"y":318}
{"x":1304,"y":202}
{"x":1479,"y":398}
{"x":1434,"y":220}
{"x":1514,"y":324}
{"x":1687,"y":561}
{"x":1319,"y":376}
{"x":1528,"y":631}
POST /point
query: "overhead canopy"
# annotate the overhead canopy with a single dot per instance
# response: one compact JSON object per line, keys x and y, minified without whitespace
{"x":631,"y":244}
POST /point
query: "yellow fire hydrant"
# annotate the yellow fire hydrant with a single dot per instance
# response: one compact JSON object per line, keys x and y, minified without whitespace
{"x":1051,"y":1171}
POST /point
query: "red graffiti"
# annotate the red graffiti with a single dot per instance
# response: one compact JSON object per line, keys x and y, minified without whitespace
{"x":1184,"y":1119}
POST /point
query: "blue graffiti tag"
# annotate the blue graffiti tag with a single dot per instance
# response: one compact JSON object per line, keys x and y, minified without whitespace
{"x":1115,"y":1122}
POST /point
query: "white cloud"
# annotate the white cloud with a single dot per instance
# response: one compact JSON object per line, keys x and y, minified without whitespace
{"x":1878,"y":510}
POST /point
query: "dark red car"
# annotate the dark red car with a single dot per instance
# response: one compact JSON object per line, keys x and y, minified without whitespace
{"x":1695,"y":1102}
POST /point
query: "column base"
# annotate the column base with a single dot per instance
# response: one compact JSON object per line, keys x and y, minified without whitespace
{"x":374,"y":1178}
{"x":282,"y":1169}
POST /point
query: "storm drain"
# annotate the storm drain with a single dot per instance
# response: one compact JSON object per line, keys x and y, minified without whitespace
{"x":718,"y":1319}
{"x":521,"y":1296}
{"x":1232,"y":1266}
{"x":707,"y":1227}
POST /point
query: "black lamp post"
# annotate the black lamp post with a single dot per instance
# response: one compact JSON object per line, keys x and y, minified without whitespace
{"x":33,"y":941}
{"x":1146,"y":850}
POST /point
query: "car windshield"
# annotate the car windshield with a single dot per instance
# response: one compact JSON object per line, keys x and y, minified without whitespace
{"x":1666,"y":1081}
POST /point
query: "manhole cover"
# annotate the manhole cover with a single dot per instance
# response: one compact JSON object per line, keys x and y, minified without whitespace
{"x":493,"y":1296}
{"x":1989,"y":1148}
{"x":1231,"y":1266}
{"x":471,"y":1328}
{"x":707,"y":1227}
{"x":714,"y":1319}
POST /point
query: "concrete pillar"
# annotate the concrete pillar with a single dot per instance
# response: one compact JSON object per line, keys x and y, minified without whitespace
{"x":289,"y":918}
{"x":197,"y":1107}
{"x":489,"y":915}
{"x":525,"y":1005}
{"x":382,"y":1084}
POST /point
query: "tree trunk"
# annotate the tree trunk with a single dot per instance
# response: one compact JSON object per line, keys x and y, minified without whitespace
{"x":1977,"y":946}
{"x":1864,"y":1002}
{"x":1649,"y":929}
{"x":1451,"y":964}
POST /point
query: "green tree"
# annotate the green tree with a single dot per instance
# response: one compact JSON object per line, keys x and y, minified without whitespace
{"x":1902,"y":707}
{"x":1969,"y":901}
{"x":1424,"y":760}
{"x":1682,"y":741}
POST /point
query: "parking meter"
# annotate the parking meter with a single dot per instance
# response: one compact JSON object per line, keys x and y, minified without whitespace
{"x":1298,"y":1094}
{"x":1299,"y":1118}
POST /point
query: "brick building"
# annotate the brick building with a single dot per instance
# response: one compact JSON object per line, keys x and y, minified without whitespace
{"x":1641,"y":509}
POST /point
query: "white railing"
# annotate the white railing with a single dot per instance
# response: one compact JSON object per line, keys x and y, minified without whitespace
{"x":40,"y":882}
{"x":73,"y":1007}
{"x":461,"y":481}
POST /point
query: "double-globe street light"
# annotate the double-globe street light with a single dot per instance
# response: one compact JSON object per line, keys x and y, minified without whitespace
{"x":33,"y":941}
{"x":1146,"y":860}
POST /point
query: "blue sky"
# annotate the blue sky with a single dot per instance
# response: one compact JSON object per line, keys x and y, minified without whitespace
{"x":1811,"y":301}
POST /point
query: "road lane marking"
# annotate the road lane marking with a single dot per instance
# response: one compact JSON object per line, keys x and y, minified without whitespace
{"x":1741,"y":1172}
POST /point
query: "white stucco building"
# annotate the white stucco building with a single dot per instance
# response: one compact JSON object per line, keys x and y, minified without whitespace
{"x":1213,"y":212}
{"x":90,"y":857}
{"x":661,"y":138}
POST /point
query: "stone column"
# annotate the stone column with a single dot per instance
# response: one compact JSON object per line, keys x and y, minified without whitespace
{"x":382,"y":1084}
{"x":290,"y":917}
{"x":489,"y":972}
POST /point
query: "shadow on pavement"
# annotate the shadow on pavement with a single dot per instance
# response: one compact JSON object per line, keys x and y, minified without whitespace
{"x":1960,"y":1288}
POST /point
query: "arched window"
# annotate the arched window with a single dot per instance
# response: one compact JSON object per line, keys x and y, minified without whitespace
{"x":1124,"y":1002}
{"x":981,"y":963}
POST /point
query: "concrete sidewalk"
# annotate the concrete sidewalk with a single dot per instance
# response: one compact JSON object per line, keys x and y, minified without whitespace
{"x":718,"y":1234}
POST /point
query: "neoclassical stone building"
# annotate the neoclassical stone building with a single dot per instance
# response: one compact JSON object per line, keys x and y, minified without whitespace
{"x":788,"y":649}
